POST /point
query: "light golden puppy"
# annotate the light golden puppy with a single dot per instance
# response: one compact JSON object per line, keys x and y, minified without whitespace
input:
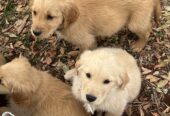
{"x":106,"y":79}
{"x":36,"y":93}
{"x":80,"y":21}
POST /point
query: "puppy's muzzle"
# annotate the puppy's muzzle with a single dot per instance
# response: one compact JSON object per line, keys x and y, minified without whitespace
{"x":90,"y":98}
{"x":37,"y":32}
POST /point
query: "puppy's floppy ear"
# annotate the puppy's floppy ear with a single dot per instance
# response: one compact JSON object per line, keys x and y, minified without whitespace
{"x":73,"y":72}
{"x":77,"y":65}
{"x":70,"y":14}
{"x":123,"y":80}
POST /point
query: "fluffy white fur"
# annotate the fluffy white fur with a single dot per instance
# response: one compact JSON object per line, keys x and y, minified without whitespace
{"x":106,"y":64}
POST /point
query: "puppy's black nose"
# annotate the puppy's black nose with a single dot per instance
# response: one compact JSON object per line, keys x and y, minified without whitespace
{"x":37,"y":33}
{"x":90,"y":98}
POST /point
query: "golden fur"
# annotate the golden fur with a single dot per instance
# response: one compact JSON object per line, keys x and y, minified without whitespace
{"x":36,"y":93}
{"x":114,"y":80}
{"x":80,"y":21}
{"x":2,"y":61}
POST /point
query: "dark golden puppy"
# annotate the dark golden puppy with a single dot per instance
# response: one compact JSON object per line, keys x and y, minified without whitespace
{"x":80,"y":21}
{"x":36,"y":93}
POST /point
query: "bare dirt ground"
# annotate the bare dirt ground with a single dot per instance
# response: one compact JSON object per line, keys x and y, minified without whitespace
{"x":57,"y":56}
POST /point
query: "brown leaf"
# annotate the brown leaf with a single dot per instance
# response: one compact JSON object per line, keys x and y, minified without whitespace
{"x":21,"y":27}
{"x":167,"y":109}
{"x":11,"y":35}
{"x":145,"y":71}
{"x":47,"y":60}
{"x":163,"y":63}
{"x":162,"y":83}
{"x":73,"y":53}
{"x":63,"y":66}
{"x":71,"y":63}
{"x":141,"y":111}
{"x":19,"y":8}
{"x":155,"y":114}
{"x":145,"y":107}
{"x":18,"y":44}
{"x":62,"y":51}
{"x":51,"y":53}
{"x":167,"y":99}
{"x":152,"y":78}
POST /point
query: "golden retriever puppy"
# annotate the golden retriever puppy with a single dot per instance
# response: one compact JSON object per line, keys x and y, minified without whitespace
{"x":106,"y":79}
{"x":80,"y":21}
{"x":36,"y":93}
{"x":2,"y":91}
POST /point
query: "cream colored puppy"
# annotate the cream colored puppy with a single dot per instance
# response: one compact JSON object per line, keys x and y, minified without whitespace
{"x":106,"y":79}
{"x":80,"y":21}
{"x":36,"y":93}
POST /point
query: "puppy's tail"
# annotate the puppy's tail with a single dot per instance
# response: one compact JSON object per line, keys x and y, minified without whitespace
{"x":157,"y":11}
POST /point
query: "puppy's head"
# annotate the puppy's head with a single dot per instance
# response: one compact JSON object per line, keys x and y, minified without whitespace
{"x":51,"y":15}
{"x":18,"y":76}
{"x":99,"y":77}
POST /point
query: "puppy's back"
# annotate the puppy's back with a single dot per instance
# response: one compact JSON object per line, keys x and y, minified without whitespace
{"x":59,"y":100}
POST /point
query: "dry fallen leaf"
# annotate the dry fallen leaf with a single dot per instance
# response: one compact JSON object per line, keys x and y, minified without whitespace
{"x":163,"y":63}
{"x":18,"y":44}
{"x":21,"y":27}
{"x":73,"y":53}
{"x":63,"y":66}
{"x":168,"y":76}
{"x":162,"y":83}
{"x":141,"y":111}
{"x":62,"y":50}
{"x":167,"y":8}
{"x":155,"y":114}
{"x":145,"y":107}
{"x":145,"y":71}
{"x":152,"y":78}
{"x":47,"y":60}
{"x":12,"y":35}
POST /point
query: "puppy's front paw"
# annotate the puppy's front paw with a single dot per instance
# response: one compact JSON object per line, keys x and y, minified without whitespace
{"x":138,"y":45}
{"x":70,"y":74}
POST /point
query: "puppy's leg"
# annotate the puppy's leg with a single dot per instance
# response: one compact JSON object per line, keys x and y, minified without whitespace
{"x":70,"y":74}
{"x":140,"y":24}
{"x":88,"y":42}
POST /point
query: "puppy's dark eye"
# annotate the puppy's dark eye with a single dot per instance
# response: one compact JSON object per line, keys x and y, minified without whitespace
{"x":106,"y":81}
{"x":34,"y":12}
{"x":49,"y":17}
{"x":88,"y":75}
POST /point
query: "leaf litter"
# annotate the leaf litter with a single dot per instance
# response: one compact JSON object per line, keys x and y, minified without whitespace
{"x":57,"y":56}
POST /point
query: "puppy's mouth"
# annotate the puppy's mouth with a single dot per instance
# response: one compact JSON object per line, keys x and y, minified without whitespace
{"x":97,"y":102}
{"x":42,"y":36}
